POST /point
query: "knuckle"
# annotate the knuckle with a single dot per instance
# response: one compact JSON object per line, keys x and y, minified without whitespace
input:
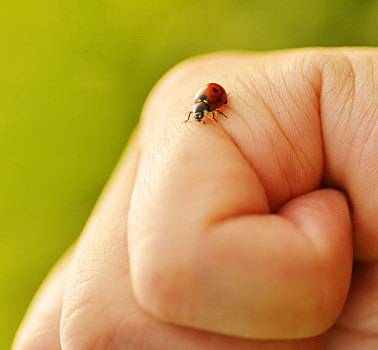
{"x":167,"y":295}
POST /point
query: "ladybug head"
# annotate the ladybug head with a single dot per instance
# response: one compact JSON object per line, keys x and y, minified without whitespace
{"x":199,"y":110}
{"x":198,"y":116}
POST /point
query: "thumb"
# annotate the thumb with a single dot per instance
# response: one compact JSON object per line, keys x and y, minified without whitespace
{"x":206,"y":249}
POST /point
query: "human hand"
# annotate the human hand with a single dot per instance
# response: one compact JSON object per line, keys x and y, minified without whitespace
{"x":238,"y":229}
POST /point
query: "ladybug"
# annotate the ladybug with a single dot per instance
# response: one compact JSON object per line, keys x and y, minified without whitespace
{"x":207,"y":100}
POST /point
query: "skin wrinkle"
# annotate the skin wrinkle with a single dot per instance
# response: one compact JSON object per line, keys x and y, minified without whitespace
{"x":267,"y":135}
{"x":373,"y":74}
{"x":352,"y":96}
{"x":288,"y":184}
{"x":363,"y":144}
{"x":334,"y":130}
{"x":318,"y":94}
{"x":264,"y":129}
{"x":134,"y":342}
{"x":100,"y":308}
{"x":356,"y":134}
{"x":136,"y":335}
{"x":300,"y":150}
{"x":347,"y":103}
{"x":251,"y":107}
{"x":315,"y":105}
{"x":288,"y":91}
{"x":367,"y":138}
{"x":368,"y":119}
{"x":79,"y":284}
{"x":284,"y":104}
{"x":79,"y":310}
{"x":316,"y":89}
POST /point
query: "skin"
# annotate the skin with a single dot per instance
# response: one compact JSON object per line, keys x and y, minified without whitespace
{"x":256,"y":232}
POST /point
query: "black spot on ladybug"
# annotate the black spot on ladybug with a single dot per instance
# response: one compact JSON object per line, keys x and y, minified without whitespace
{"x":214,"y":89}
{"x":219,"y":100}
{"x":225,"y":102}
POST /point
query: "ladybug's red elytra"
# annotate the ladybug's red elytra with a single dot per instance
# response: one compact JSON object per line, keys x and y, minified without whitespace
{"x":207,"y":100}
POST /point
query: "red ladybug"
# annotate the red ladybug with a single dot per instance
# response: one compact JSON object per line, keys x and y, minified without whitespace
{"x":207,"y":100}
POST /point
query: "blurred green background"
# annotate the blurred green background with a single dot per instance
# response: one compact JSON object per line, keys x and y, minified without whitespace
{"x":74,"y":75}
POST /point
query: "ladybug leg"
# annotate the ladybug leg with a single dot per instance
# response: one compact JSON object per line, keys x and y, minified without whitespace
{"x":212,"y":113}
{"x":190,"y":113}
{"x":221,"y":113}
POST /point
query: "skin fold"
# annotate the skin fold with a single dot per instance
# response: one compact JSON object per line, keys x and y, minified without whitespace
{"x":256,"y":232}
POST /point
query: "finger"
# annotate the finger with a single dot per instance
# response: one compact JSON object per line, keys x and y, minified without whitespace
{"x":96,"y":286}
{"x":204,"y":251}
{"x":99,"y":307}
{"x":40,"y":326}
{"x":350,"y":124}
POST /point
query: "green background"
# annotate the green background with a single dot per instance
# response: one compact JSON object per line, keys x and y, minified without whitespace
{"x":74,"y":75}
